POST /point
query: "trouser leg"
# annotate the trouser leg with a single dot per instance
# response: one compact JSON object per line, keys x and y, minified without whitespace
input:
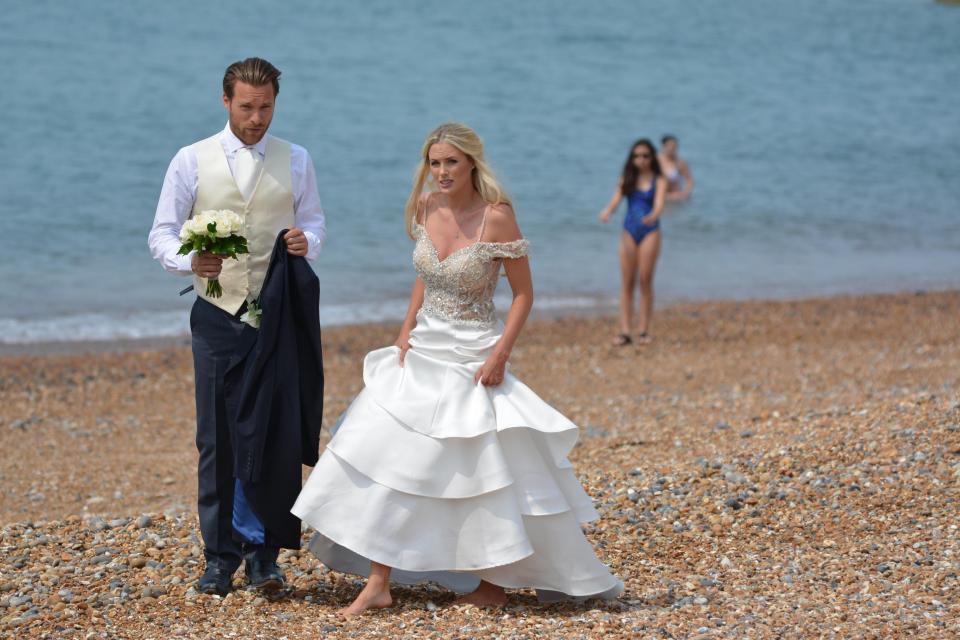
{"x":214,"y":337}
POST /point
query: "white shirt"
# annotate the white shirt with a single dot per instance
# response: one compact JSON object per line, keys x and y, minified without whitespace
{"x":180,"y":191}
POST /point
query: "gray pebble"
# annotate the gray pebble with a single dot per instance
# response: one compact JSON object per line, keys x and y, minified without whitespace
{"x":152,"y":591}
{"x":734,"y":477}
{"x":97,"y":524}
{"x":682,"y":602}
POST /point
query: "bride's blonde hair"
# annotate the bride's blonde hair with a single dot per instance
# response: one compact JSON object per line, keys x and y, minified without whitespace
{"x":468,"y":142}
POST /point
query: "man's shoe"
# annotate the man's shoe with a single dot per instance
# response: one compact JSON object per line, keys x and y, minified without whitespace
{"x":262,"y":571}
{"x":215,"y":581}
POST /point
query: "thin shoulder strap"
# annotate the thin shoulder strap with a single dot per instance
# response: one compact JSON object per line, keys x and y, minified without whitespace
{"x":483,"y":223}
{"x":425,"y":204}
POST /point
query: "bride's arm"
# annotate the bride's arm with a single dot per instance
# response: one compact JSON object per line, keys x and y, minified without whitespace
{"x":416,"y":295}
{"x":410,"y":321}
{"x":521,"y":283}
{"x":502,"y":227}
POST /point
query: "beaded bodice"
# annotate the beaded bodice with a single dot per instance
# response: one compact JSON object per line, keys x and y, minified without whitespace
{"x":460,"y":287}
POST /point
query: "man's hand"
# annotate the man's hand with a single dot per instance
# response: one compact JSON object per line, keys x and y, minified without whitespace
{"x":206,"y":264}
{"x":296,"y":242}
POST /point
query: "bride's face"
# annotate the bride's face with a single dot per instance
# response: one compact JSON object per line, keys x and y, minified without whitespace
{"x":450,"y":168}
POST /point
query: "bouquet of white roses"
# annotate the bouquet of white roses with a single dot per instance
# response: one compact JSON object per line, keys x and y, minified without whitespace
{"x":216,"y":232}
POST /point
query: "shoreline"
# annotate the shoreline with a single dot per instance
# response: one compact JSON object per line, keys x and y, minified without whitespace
{"x":607,"y":311}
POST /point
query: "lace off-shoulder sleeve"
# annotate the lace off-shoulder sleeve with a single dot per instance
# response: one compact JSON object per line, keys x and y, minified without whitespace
{"x":515,"y":249}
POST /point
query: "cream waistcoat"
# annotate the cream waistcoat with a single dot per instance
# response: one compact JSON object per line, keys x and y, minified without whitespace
{"x":269,"y":211}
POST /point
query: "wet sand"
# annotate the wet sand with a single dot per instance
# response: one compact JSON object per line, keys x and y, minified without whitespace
{"x":763,"y":469}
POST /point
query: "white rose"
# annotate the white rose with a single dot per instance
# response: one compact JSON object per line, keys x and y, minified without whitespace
{"x":189,"y":229}
{"x":225,"y":222}
{"x":232,"y":221}
{"x":204,"y":219}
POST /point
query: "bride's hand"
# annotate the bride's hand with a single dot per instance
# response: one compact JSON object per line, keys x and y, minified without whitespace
{"x":403,"y":343}
{"x":492,"y":371}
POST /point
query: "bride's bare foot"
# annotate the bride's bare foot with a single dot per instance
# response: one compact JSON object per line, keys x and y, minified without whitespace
{"x":376,"y":595}
{"x":486,"y":595}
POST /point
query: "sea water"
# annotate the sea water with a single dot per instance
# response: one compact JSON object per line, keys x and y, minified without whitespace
{"x":823,"y":136}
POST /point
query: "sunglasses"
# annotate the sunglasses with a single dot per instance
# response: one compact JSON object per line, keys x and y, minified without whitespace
{"x":641,"y":155}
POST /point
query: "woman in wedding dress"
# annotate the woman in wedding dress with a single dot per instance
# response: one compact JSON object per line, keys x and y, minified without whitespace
{"x":445,"y":467}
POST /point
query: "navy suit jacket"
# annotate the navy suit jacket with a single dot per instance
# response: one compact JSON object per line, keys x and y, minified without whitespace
{"x":273,"y":389}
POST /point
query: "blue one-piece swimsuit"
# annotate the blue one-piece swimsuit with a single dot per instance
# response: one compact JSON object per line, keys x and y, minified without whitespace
{"x":639,"y":204}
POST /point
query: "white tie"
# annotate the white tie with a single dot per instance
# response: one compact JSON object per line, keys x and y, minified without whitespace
{"x":247,"y":171}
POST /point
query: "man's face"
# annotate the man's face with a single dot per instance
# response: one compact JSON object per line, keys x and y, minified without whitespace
{"x":251,"y":110}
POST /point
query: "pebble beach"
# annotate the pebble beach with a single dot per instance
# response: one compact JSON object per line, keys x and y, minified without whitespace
{"x":765,"y":469}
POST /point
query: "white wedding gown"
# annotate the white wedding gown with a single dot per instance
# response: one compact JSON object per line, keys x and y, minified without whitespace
{"x":446,"y":480}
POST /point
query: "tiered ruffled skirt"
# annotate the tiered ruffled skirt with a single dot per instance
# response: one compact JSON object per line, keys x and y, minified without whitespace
{"x":450,"y":481}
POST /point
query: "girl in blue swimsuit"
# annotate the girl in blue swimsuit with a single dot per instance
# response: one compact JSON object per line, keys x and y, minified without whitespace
{"x":644,"y":186}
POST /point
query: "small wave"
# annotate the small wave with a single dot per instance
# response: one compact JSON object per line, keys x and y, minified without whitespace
{"x":95,"y":327}
{"x":89,"y":327}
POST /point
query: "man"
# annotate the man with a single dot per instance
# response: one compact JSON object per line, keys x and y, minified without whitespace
{"x":271,"y":184}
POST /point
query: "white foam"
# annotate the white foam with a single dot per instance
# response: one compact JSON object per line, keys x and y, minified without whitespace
{"x":88,"y":327}
{"x":85,"y":327}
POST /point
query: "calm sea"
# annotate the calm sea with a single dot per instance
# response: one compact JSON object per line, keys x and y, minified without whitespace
{"x":824,"y":136}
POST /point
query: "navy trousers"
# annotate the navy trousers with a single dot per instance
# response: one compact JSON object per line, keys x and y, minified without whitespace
{"x":229,"y":527}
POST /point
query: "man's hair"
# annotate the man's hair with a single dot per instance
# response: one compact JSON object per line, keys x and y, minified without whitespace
{"x":255,"y":72}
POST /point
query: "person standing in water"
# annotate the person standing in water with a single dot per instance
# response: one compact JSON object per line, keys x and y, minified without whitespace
{"x":644,"y":186}
{"x":677,"y":172}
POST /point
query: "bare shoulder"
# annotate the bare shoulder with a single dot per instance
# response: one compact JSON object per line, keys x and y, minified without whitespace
{"x":501,"y":225}
{"x":426,"y":204}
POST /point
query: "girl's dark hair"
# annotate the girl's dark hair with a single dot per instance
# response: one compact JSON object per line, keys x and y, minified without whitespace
{"x":630,"y":172}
